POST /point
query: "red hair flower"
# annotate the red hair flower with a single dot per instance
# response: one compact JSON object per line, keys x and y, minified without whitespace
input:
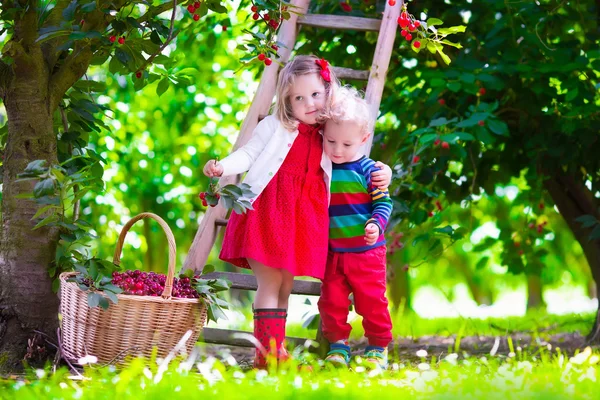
{"x":325,"y":73}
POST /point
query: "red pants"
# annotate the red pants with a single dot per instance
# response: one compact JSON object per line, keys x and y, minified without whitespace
{"x":362,"y":274}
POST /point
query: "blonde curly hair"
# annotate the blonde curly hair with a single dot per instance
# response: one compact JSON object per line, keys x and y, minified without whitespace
{"x":300,"y":65}
{"x":349,"y":106}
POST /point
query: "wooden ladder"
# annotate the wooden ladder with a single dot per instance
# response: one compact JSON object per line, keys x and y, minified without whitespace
{"x":215,"y":218}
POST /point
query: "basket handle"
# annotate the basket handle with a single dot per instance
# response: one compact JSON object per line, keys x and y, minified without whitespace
{"x":170,"y":239}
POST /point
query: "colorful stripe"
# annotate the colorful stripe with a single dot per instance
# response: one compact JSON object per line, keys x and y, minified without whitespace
{"x":354,"y":203}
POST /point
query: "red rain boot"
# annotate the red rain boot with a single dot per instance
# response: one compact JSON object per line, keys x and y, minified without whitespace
{"x":269,"y":325}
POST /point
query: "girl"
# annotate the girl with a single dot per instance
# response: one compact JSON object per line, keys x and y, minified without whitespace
{"x":286,"y":235}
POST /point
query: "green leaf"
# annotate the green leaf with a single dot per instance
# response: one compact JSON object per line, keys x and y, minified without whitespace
{"x":434,"y":21}
{"x":498,"y":127}
{"x":112,"y":296}
{"x":449,"y":43}
{"x":454,"y":86}
{"x":587,"y":220}
{"x":572,"y":94}
{"x":420,"y":238}
{"x":208,"y":268}
{"x":93,"y":299}
{"x":451,"y":30}
{"x":89,"y":7}
{"x":162,"y":86}
{"x":438,"y":122}
{"x":482,"y":263}
{"x":445,"y":57}
{"x":103,"y":302}
{"x":69,"y":12}
{"x":50,"y":219}
{"x":448,"y":230}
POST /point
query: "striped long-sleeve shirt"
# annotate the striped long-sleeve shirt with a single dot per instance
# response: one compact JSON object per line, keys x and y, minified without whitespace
{"x":355,"y":202}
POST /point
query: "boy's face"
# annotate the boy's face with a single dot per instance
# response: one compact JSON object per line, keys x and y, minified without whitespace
{"x":342,"y":141}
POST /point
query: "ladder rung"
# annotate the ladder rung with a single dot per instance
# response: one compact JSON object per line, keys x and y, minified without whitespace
{"x":349,"y":73}
{"x":248,"y":282}
{"x":340,"y":22}
{"x":224,"y":336}
{"x":221,"y":222}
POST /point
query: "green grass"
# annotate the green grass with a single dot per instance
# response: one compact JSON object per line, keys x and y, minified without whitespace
{"x":536,"y":372}
{"x":548,"y":375}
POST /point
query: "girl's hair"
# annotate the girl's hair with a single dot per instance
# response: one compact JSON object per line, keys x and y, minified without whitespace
{"x":300,"y":65}
{"x":349,"y":106}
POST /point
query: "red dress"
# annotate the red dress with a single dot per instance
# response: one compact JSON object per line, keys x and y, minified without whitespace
{"x":289,"y":226}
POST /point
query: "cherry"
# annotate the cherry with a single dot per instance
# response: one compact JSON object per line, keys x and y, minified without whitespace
{"x":254,"y":9}
{"x":196,"y":17}
{"x":541,"y":206}
{"x":197,"y":5}
{"x":138,"y":74}
{"x":274,"y":47}
{"x":346,"y":7}
{"x":255,"y":16}
{"x":262,"y":57}
{"x":204,"y":203}
{"x":417,"y":44}
{"x":416,"y":159}
{"x":405,"y":268}
{"x":404,"y":15}
{"x":517,"y":244}
{"x":268,"y":61}
{"x":445,"y":145}
{"x":121,"y":40}
{"x":521,"y":252}
{"x":266,"y":17}
{"x":403,"y":33}
{"x":431,"y":214}
{"x":481,"y":123}
{"x":112,"y":39}
{"x":438,"y":205}
{"x":392,"y":3}
{"x":408,"y":37}
{"x":482,"y":91}
{"x":531,"y":225}
{"x":411,"y":27}
{"x":417,"y":24}
{"x":191,"y":8}
{"x":442,"y":102}
{"x":224,"y":27}
{"x":202,"y":195}
{"x":437,"y":141}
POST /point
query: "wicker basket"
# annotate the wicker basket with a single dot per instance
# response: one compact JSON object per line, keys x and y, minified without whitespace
{"x":133,"y":326}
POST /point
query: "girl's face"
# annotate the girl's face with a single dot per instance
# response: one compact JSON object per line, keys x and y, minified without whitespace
{"x":307,"y":97}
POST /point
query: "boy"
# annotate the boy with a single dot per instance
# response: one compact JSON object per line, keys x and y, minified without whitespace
{"x":358,"y":215}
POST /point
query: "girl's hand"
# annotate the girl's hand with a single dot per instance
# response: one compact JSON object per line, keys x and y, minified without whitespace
{"x":213,"y":168}
{"x":371,"y":234}
{"x":381,"y":179}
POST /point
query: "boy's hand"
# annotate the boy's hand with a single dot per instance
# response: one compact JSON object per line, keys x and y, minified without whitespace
{"x":371,"y":234}
{"x":381,"y":179}
{"x":213,"y":168}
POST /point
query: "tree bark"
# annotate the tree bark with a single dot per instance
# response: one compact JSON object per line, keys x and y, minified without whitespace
{"x":535,"y":297}
{"x":27,"y":302}
{"x":573,"y":200}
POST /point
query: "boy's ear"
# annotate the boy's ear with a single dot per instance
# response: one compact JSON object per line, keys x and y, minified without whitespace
{"x":364,"y":139}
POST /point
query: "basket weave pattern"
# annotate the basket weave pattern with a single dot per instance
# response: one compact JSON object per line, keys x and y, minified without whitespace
{"x":133,"y":326}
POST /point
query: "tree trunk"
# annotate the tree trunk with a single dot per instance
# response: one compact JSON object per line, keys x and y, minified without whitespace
{"x":398,"y":288}
{"x":573,"y":200}
{"x":27,"y":302}
{"x":535,"y":298}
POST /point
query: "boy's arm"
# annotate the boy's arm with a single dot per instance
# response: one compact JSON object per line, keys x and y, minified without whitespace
{"x":380,"y":198}
{"x":242,"y":159}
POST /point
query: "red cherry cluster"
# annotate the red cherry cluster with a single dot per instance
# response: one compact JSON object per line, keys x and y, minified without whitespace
{"x":272,"y":21}
{"x":345,"y":6}
{"x":113,"y":38}
{"x":192,"y":10}
{"x":445,"y":145}
{"x":152,"y":284}
{"x":539,"y":227}
{"x":202,"y":197}
{"x":409,"y":25}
